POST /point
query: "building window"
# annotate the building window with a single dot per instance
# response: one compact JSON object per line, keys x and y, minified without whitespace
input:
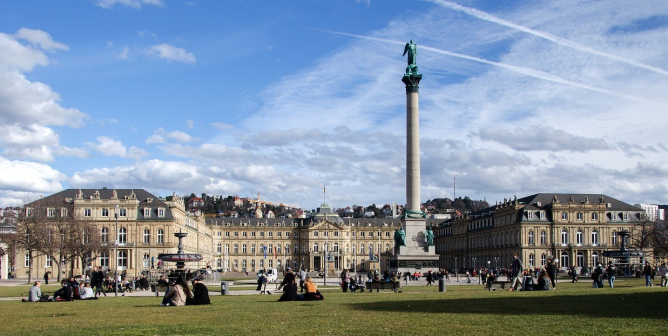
{"x":542,"y":259}
{"x":105,"y":212}
{"x":543,"y":238}
{"x":63,"y":212}
{"x":531,"y":260}
{"x":578,"y":238}
{"x":219,"y":248}
{"x":270,"y":234}
{"x":315,"y":248}
{"x":104,"y":235}
{"x":531,"y":237}
{"x":48,"y":261}
{"x":579,"y":216}
{"x":564,"y":237}
{"x":252,"y":233}
{"x":122,"y":235}
{"x":278,"y":249}
{"x":243,"y":248}
{"x":122,"y":212}
{"x":236,"y":234}
{"x":564,"y":215}
{"x":362,"y":234}
{"x":122,"y":259}
{"x":147,"y":212}
{"x":253,"y":264}
{"x":315,"y":233}
{"x":594,"y":258}
{"x":227,"y":249}
{"x":87,"y":212}
{"x":28,"y":211}
{"x":614,"y":237}
{"x":147,"y":236}
{"x":296,"y":234}
{"x":613,"y":216}
{"x":104,"y":259}
{"x":296,"y":249}
{"x":287,"y":248}
{"x":161,"y":212}
{"x":564,"y":259}
{"x":253,"y":249}
{"x":244,"y":234}
{"x":625,"y":217}
{"x":161,"y":236}
{"x":236,"y":249}
{"x":594,"y":237}
{"x":50,"y":212}
{"x":227,"y":233}
{"x":580,"y":259}
{"x":542,"y":215}
{"x":26,"y":261}
{"x":261,"y":233}
{"x":529,"y":215}
{"x":594,"y":216}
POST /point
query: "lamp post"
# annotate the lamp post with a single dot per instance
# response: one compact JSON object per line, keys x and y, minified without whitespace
{"x":116,"y":253}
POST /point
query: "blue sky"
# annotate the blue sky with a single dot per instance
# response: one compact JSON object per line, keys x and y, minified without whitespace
{"x":239,"y":97}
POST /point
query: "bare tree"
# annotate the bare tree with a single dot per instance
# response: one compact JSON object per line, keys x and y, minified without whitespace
{"x":642,"y":235}
{"x":84,"y":242}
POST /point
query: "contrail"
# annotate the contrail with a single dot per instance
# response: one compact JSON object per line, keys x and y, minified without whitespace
{"x":521,"y":70}
{"x":556,"y":39}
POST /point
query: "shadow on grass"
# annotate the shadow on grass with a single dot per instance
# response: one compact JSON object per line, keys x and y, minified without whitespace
{"x":609,"y":305}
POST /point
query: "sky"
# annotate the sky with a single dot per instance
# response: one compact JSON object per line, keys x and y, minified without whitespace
{"x":284,"y":97}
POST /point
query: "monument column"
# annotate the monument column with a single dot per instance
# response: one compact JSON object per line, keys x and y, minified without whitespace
{"x":414,"y":242}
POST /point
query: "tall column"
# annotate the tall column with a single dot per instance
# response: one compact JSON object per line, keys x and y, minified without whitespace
{"x":412,"y":81}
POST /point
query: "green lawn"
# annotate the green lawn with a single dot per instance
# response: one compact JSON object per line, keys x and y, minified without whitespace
{"x":577,"y":309}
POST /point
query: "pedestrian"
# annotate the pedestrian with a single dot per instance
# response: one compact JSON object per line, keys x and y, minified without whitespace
{"x":647,"y":272}
{"x":516,"y":270}
{"x":345,"y":280}
{"x":302,"y":278}
{"x":663,"y":272}
{"x":46,"y":277}
{"x":611,"y":271}
{"x":430,"y":278}
{"x":574,"y":274}
{"x":551,"y":269}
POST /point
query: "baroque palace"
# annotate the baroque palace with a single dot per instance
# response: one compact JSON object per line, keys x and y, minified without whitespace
{"x":576,"y":229}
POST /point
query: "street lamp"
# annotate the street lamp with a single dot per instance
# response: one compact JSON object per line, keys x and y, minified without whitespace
{"x":116,"y":253}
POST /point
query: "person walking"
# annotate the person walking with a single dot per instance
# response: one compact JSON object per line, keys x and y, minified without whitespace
{"x":574,"y":274}
{"x":345,"y":280}
{"x":46,"y":277}
{"x":611,"y":271}
{"x":516,"y":271}
{"x":302,"y":278}
{"x":647,"y":272}
{"x":96,"y":280}
{"x":430,"y":278}
{"x":551,"y":269}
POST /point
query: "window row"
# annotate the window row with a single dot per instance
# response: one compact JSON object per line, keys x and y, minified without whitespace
{"x":123,"y":236}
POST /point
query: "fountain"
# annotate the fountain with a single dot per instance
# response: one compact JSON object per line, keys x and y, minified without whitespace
{"x":624,"y":254}
{"x":179,"y":257}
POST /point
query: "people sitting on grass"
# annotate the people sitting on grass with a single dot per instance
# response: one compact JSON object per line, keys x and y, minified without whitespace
{"x":64,"y":293}
{"x":162,"y":280}
{"x":289,"y":286}
{"x":143,"y":283}
{"x":87,"y":292}
{"x":35,"y":294}
{"x":312,"y":292}
{"x":543,"y":281}
{"x":177,"y":294}
{"x":200,"y":293}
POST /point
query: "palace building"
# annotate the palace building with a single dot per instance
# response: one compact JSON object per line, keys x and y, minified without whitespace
{"x":575,"y":229}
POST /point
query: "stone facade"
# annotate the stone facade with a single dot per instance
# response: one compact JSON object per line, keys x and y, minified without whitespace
{"x":576,"y":229}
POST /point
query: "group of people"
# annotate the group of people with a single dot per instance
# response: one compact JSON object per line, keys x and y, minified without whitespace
{"x":523,"y":279}
{"x":179,"y":294}
{"x":309,"y":289}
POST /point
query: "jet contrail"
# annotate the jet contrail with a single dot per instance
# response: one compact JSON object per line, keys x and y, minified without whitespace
{"x":521,"y":70}
{"x":547,"y":36}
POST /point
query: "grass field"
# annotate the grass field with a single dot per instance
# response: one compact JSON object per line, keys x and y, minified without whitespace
{"x":573,"y":309}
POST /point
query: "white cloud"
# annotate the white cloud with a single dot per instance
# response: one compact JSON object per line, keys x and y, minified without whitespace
{"x":172,"y":53}
{"x":110,"y":147}
{"x":160,"y":136}
{"x":40,"y":38}
{"x":146,"y":33}
{"x":129,"y":3}
{"x":222,"y":126}
{"x":190,"y":123}
{"x":22,"y":176}
{"x":124,"y":53}
{"x":539,"y":138}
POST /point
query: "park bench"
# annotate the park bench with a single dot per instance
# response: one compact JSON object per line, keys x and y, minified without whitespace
{"x":157,"y":288}
{"x":499,"y":283}
{"x":383,"y":285}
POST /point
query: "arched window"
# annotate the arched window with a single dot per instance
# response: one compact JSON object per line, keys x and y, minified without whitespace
{"x":564,"y":237}
{"x":578,"y":237}
{"x":531,"y":241}
{"x":122,"y":260}
{"x":123,"y":236}
{"x":594,"y":237}
{"x":104,"y":259}
{"x":564,"y":259}
{"x":580,"y":259}
{"x":147,"y":236}
{"x":594,"y":258}
{"x":104,"y":235}
{"x":161,"y":236}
